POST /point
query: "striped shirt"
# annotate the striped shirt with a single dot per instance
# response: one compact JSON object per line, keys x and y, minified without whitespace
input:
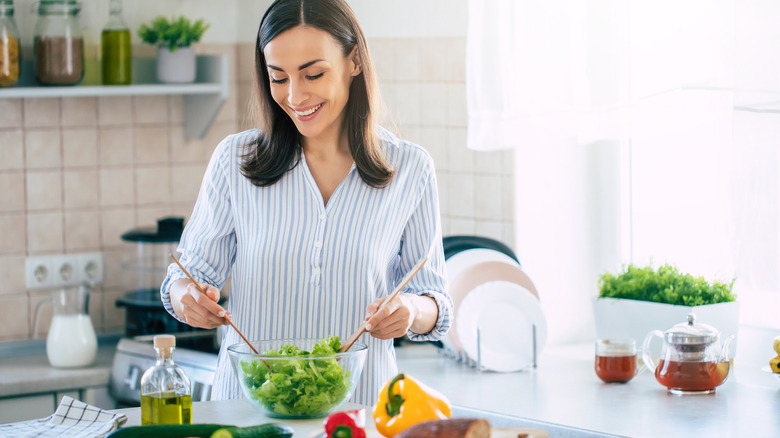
{"x":303,"y":269}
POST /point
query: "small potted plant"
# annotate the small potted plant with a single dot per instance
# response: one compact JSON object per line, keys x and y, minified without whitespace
{"x":175,"y":54}
{"x":641,"y":299}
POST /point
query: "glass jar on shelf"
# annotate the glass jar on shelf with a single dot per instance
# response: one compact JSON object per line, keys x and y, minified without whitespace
{"x":58,"y":43}
{"x":116,"y":51}
{"x":10,"y":50}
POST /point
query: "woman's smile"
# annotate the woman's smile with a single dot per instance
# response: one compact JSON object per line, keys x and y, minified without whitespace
{"x":305,"y":114}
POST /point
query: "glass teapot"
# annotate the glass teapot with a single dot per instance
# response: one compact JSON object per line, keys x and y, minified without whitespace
{"x":71,"y":342}
{"x":693,"y":361}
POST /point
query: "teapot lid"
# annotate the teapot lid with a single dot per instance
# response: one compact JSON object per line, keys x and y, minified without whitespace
{"x":691,"y":333}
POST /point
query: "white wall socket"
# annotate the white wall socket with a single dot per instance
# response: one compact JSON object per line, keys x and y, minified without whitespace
{"x":45,"y":272}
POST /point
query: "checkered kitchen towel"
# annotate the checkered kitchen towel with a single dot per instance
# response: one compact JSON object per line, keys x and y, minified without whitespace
{"x":72,"y":419}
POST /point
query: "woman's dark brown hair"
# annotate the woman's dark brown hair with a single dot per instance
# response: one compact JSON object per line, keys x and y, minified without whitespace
{"x":278,"y":149}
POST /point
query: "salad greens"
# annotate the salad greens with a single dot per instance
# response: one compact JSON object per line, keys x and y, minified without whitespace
{"x":666,"y":285}
{"x":298,"y":387}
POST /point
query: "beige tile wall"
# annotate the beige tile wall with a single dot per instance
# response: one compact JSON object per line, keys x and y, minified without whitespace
{"x":76,"y":173}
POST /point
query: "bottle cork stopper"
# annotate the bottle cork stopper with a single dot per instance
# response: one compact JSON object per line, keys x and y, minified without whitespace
{"x":164,"y":341}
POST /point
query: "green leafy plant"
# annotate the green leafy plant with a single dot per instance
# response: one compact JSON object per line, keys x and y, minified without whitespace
{"x":666,"y":285}
{"x":179,"y":32}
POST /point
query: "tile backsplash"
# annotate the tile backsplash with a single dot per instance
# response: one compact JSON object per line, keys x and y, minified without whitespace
{"x":77,"y":172}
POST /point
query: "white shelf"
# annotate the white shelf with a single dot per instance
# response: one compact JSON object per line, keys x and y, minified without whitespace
{"x":202,"y":99}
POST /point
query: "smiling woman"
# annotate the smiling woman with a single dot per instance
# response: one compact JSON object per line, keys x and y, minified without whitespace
{"x":319,"y":214}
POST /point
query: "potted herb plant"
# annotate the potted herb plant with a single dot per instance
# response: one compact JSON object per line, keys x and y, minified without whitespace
{"x":642,"y":299}
{"x":175,"y":54}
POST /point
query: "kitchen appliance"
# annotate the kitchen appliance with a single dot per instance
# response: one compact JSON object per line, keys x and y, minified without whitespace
{"x":153,"y":244}
{"x":693,"y":360}
{"x":142,"y":275}
{"x":135,"y":355}
{"x":71,"y":342}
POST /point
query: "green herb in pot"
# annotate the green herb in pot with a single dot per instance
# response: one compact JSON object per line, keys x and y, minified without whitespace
{"x":176,"y":33}
{"x":666,"y":285}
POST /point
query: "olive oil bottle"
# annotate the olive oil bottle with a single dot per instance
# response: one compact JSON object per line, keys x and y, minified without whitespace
{"x":166,"y":396}
{"x":116,"y":52}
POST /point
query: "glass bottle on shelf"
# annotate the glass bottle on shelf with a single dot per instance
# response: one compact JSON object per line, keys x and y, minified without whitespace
{"x":116,"y":51}
{"x":58,"y":43}
{"x":9,"y":45}
{"x":166,"y":396}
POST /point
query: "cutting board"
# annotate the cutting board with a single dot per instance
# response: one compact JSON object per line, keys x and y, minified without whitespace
{"x":518,"y":432}
{"x":511,"y":432}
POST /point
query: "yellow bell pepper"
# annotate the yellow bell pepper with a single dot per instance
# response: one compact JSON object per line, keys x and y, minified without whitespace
{"x":404,"y":402}
{"x":774,"y":364}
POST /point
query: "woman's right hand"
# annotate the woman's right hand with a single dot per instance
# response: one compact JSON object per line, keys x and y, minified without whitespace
{"x":195,"y":308}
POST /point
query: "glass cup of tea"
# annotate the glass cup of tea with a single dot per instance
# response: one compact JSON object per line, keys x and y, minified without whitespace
{"x":616,"y":360}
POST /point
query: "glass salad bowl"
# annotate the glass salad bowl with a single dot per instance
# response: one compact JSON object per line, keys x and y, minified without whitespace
{"x":297,"y":378}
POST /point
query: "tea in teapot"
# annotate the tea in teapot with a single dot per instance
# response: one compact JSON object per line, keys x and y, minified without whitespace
{"x":692,"y":359}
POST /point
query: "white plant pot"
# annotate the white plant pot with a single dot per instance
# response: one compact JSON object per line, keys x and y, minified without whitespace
{"x":620,"y":318}
{"x":177,"y":66}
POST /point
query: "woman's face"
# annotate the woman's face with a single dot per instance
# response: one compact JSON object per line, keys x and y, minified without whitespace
{"x":309,"y":79}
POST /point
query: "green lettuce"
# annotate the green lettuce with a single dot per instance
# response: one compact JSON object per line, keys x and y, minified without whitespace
{"x":298,"y":387}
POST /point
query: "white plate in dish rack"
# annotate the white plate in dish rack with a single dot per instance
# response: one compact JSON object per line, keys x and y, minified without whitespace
{"x":504,"y":312}
{"x":456,"y":265}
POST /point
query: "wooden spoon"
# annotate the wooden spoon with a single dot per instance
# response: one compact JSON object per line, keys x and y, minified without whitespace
{"x":351,"y":340}
{"x":226,"y":318}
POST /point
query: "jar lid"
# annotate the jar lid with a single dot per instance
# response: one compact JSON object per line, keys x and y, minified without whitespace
{"x":168,"y":229}
{"x":164,"y":341}
{"x":691,"y":333}
{"x":58,"y":6}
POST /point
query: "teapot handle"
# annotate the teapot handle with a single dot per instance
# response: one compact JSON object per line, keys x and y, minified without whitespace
{"x":646,"y":357}
{"x":725,"y":351}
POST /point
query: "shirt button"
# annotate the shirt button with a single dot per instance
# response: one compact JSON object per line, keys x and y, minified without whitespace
{"x":318,"y":244}
{"x":322,"y":217}
{"x":315,"y":271}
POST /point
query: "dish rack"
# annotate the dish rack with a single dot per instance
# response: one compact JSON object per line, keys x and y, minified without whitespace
{"x":462,"y":357}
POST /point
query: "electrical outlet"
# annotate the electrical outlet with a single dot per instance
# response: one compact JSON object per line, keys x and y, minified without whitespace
{"x":38,"y":272}
{"x":90,"y":268}
{"x":63,"y":270}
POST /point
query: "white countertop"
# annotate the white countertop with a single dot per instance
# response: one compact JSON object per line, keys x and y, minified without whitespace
{"x":27,"y":371}
{"x":565,"y":390}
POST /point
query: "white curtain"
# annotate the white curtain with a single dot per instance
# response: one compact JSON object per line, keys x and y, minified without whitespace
{"x":572,"y":69}
{"x":643,"y":132}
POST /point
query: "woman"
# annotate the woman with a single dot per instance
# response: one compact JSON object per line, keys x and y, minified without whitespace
{"x":318,"y":215}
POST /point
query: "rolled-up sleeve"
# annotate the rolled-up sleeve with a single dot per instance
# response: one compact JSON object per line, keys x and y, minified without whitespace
{"x":422,"y":237}
{"x":208,"y":243}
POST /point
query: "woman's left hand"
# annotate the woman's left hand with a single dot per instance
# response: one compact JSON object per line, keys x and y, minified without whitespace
{"x":404,"y":312}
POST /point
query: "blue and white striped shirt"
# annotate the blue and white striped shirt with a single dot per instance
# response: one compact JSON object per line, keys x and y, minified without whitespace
{"x":302,"y":269}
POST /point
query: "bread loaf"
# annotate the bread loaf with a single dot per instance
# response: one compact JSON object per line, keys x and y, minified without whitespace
{"x":450,"y":428}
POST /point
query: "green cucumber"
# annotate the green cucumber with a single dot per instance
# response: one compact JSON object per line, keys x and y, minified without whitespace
{"x":167,"y":431}
{"x":268,"y":430}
